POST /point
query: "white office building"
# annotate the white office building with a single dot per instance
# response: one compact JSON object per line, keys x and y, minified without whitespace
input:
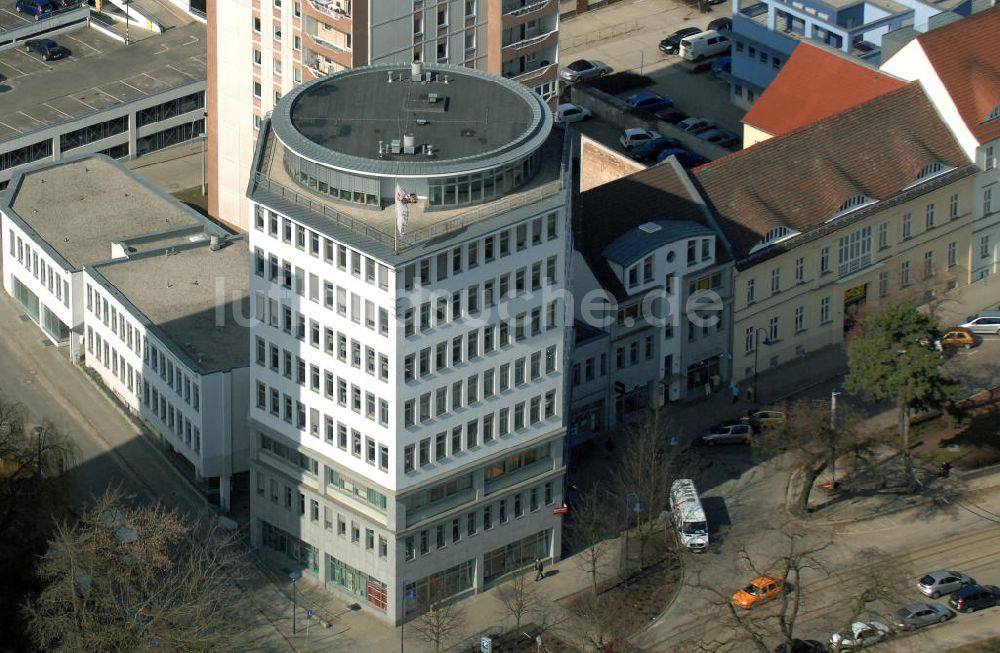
{"x":146,"y":293}
{"x":410,"y":255}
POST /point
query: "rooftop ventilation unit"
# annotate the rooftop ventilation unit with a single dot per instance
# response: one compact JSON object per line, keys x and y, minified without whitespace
{"x":649,"y":227}
{"x":432,"y":98}
{"x":422,"y":121}
{"x":409,"y":144}
{"x":429,"y":149}
{"x":416,"y":71}
{"x":395,"y":146}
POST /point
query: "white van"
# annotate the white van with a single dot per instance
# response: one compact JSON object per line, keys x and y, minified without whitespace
{"x":688,"y":515}
{"x":705,"y":44}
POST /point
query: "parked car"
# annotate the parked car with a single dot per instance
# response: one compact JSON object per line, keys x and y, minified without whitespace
{"x":720,"y":137}
{"x":649,"y":101}
{"x":694,"y":125}
{"x":957,"y":338}
{"x":721,"y":24}
{"x":918,"y":615}
{"x":941,"y":582}
{"x":988,"y":322}
{"x":686,"y":158}
{"x":801,"y":646}
{"x":49,"y":49}
{"x":571,"y":113}
{"x":763,"y":419}
{"x":672,"y":116}
{"x":582,"y":69}
{"x":860,"y":635}
{"x":758,"y":591}
{"x":648,"y":151}
{"x":672,"y":43}
{"x":635,"y":135}
{"x":975,"y":597}
{"x":37,"y":8}
{"x":728,"y":432}
{"x":722,"y":66}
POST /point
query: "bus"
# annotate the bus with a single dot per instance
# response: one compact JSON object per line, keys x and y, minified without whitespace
{"x":688,"y":515}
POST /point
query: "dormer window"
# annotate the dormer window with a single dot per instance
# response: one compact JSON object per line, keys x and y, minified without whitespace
{"x":930,"y":171}
{"x":852,"y":204}
{"x":775,"y":236}
{"x":994,"y":115}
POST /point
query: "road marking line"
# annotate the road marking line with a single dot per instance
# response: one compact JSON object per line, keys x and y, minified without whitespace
{"x":56,"y":109}
{"x":101,"y":90}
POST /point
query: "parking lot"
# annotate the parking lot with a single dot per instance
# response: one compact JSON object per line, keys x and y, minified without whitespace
{"x":99,"y":72}
{"x":626,"y":37}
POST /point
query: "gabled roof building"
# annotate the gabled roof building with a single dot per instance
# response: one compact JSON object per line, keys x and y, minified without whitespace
{"x":959,"y":67}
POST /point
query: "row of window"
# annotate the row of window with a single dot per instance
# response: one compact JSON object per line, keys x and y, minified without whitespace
{"x":854,"y":249}
{"x":756,"y":55}
{"x":486,"y":518}
{"x":158,"y":361}
{"x":480,"y":252}
{"x":170,"y":417}
{"x":645,"y":267}
{"x":46,"y":274}
{"x":481,"y":342}
{"x":444,"y":308}
{"x":104,"y":353}
{"x":590,"y":369}
{"x":319,"y":247}
{"x":480,"y":430}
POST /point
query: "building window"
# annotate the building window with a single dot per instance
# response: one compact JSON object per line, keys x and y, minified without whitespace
{"x":929,"y":263}
{"x":883,"y":283}
{"x":750,"y":291}
{"x":907,"y":225}
{"x":800,"y":270}
{"x":824,"y":310}
{"x":772,"y":329}
{"x":904,"y":274}
{"x":953,"y":210}
{"x":930,"y":214}
{"x":883,"y":235}
{"x":800,"y":319}
{"x":984,"y":247}
{"x":824,"y":260}
{"x":775,"y":281}
{"x":748,"y":340}
{"x":987,"y":200}
{"x":952,"y":254}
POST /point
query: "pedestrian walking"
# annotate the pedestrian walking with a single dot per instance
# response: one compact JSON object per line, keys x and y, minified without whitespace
{"x":750,"y":395}
{"x":735,"y":388}
{"x":708,"y":390}
{"x":539,"y":574}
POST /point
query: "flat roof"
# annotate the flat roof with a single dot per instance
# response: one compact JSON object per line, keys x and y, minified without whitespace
{"x":470,"y":119}
{"x":199,"y":300}
{"x":99,"y":74}
{"x":372,"y":229}
{"x":79,"y":207}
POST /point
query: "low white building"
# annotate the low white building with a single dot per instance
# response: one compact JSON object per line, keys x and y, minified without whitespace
{"x":145,"y":292}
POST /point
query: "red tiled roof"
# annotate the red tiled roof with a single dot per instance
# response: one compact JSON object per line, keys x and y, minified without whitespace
{"x":801,"y":179}
{"x":966,"y":56}
{"x":813,"y":84}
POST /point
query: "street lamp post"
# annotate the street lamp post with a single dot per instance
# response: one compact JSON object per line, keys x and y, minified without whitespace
{"x":293,"y":576}
{"x":756,"y":349}
{"x":126,"y":3}
{"x":833,"y":429}
{"x":629,"y":508}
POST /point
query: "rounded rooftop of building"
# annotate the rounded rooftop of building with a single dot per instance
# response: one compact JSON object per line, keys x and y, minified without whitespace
{"x":411,"y":120}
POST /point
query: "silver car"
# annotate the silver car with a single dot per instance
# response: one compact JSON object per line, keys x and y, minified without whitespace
{"x":861,"y":635}
{"x":918,"y":615}
{"x":582,"y":69}
{"x":941,"y":582}
{"x":728,"y":433}
{"x":984,"y":323}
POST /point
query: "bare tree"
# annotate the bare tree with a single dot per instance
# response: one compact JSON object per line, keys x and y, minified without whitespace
{"x":602,"y":622}
{"x":438,"y":623}
{"x":758,"y":627}
{"x":520,"y":600}
{"x":126,"y":577}
{"x":813,"y":443}
{"x":642,"y":480}
{"x":589,"y":529}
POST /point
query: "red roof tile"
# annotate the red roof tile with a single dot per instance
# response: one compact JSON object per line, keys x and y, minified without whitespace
{"x":966,"y":56}
{"x":801,"y":179}
{"x":813,"y":84}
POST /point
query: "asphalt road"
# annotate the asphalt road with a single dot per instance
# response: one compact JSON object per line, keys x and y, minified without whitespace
{"x":743,"y":499}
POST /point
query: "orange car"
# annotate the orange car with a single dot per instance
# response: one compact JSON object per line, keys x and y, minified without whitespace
{"x":760,"y":590}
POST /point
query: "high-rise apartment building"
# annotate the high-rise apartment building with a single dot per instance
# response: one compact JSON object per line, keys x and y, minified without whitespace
{"x":410,"y":242}
{"x":259,"y":50}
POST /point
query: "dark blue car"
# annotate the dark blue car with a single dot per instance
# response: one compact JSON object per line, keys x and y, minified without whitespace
{"x":649,"y":101}
{"x":686,"y":158}
{"x":36,"y":8}
{"x":645,"y":152}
